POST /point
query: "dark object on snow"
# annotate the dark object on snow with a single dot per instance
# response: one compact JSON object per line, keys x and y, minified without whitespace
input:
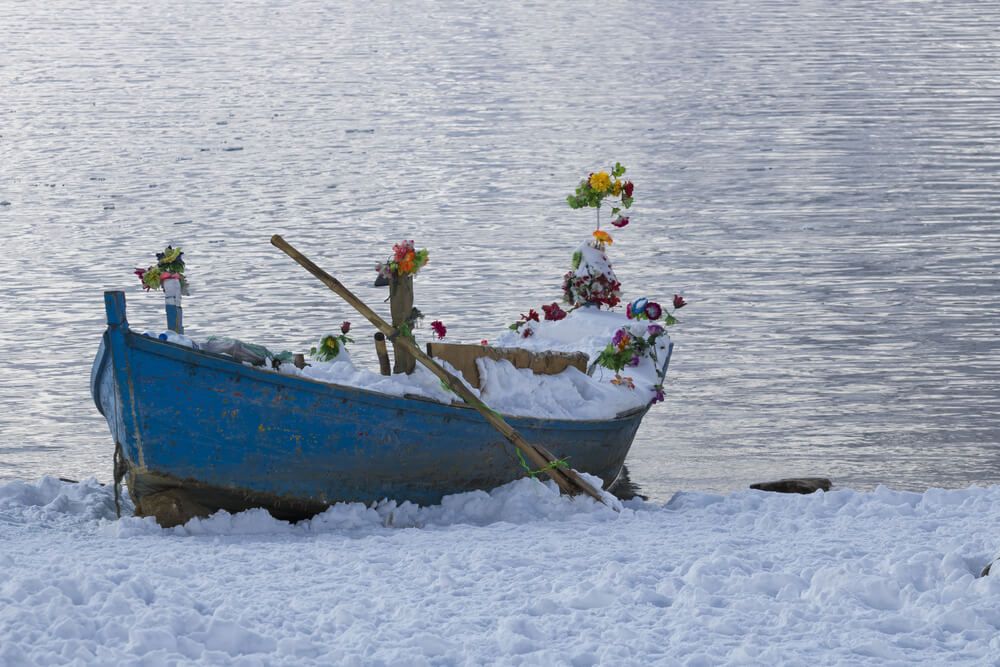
{"x":986,"y":570}
{"x":796,"y":485}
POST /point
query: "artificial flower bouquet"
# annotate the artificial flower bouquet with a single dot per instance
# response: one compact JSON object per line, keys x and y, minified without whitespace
{"x":331,"y":345}
{"x":637,"y":341}
{"x":405,"y":261}
{"x":594,"y":189}
{"x":169,"y":264}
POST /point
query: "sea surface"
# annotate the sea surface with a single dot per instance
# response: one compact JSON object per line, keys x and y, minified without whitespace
{"x":820,"y":181}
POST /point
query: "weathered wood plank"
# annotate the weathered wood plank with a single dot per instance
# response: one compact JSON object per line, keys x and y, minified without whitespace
{"x":464,"y":356}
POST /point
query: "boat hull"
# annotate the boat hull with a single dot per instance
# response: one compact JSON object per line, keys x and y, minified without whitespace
{"x":232,"y":436}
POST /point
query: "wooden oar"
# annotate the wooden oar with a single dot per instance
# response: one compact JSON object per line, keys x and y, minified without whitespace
{"x":567,"y":478}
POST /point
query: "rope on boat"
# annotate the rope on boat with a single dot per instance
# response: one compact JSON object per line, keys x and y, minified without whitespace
{"x":531,"y":473}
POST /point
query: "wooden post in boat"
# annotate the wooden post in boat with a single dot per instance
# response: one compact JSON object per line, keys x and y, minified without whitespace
{"x":568,"y":480}
{"x":383,"y":354}
{"x":172,"y":298}
{"x":401,"y":307}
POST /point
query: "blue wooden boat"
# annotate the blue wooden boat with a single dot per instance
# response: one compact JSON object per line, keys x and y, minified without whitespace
{"x":199,"y":432}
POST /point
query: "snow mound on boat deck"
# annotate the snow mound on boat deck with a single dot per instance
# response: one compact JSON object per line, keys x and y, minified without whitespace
{"x":587,"y":330}
{"x":516,"y":576}
{"x":511,"y":391}
{"x":342,"y":371}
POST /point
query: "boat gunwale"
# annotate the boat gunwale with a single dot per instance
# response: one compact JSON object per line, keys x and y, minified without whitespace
{"x":224,"y":363}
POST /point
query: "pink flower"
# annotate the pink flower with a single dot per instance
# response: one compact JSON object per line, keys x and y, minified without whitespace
{"x":484,"y":342}
{"x":439,"y":328}
{"x":345,"y":327}
{"x":620,"y":221}
{"x":653,"y":310}
{"x":679,"y":301}
{"x":628,"y":188}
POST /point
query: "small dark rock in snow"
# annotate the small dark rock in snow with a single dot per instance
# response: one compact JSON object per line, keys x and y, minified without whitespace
{"x":986,"y":570}
{"x":109,"y":207}
{"x":4,"y":203}
{"x":233,"y":148}
{"x":796,"y":485}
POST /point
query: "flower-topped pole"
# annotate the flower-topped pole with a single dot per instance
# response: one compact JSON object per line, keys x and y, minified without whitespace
{"x":399,"y":271}
{"x":168,"y":274}
{"x":591,"y":279}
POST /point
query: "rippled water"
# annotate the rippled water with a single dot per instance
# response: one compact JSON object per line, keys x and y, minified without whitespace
{"x":819,"y":180}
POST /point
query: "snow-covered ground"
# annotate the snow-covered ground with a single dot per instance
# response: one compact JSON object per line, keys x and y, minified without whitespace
{"x":520,"y":575}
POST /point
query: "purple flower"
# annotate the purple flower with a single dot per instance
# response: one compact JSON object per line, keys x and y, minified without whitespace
{"x":634,"y":361}
{"x":658,"y":395}
{"x":653,"y":310}
{"x":619,"y":337}
{"x":654,"y":329}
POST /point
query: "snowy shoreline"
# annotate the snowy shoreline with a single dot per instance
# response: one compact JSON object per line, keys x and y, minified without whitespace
{"x":519,"y":575}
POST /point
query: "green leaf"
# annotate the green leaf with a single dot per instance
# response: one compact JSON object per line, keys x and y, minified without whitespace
{"x":669,"y":319}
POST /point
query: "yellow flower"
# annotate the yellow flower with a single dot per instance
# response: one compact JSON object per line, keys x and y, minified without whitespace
{"x":603,"y":237}
{"x":618,"y":187}
{"x":600,"y":181}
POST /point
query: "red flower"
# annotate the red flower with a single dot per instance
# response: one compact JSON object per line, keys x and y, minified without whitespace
{"x":439,"y":328}
{"x":528,"y":331}
{"x":679,"y":302}
{"x":532,"y":315}
{"x":620,"y":221}
{"x":554,"y":312}
{"x":484,"y":342}
{"x":345,"y":327}
{"x":628,"y":188}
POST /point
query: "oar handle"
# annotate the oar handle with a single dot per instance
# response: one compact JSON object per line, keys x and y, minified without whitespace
{"x":567,"y":479}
